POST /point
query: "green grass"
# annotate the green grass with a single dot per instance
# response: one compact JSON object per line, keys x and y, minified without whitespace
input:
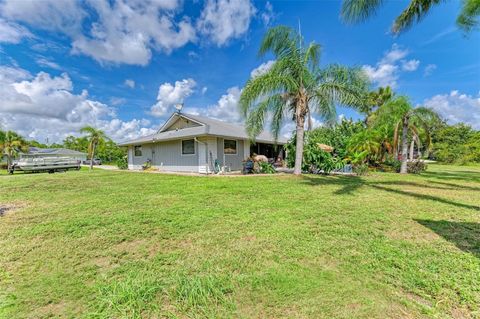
{"x":108,"y":244}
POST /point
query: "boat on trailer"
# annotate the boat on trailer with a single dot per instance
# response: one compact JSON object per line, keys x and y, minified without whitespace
{"x":45,"y":164}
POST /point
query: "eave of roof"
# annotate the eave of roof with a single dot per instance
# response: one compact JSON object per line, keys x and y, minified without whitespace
{"x":208,"y":126}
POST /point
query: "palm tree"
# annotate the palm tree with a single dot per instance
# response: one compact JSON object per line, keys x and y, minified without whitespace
{"x":354,"y":11}
{"x":295,"y":87}
{"x":409,"y":120}
{"x":375,"y":100}
{"x":11,"y":145}
{"x":94,"y":136}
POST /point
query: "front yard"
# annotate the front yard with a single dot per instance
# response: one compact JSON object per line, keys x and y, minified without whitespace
{"x":106,"y":244}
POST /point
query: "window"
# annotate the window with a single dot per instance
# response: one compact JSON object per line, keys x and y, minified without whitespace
{"x":229,"y":147}
{"x":188,"y":147}
{"x":138,"y":150}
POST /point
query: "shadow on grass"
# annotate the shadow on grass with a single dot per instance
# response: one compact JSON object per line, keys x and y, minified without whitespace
{"x":466,"y":176}
{"x":466,"y":236}
{"x":350,"y":184}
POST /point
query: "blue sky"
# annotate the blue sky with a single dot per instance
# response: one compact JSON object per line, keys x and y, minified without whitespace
{"x":122,"y":65}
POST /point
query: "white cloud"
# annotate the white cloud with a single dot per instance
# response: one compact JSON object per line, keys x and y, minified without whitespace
{"x":395,"y":54}
{"x":382,"y":74}
{"x":268,"y":15}
{"x":128,"y":31}
{"x":226,"y":109}
{"x":43,"y":107}
{"x":457,"y":107}
{"x":64,"y":16}
{"x":429,"y":69}
{"x":117,"y":100}
{"x":122,"y":31}
{"x":204,"y":90}
{"x":43,"y":62}
{"x":222,"y":20}
{"x":130,"y":83}
{"x":262,"y":68}
{"x":387,"y":70}
{"x":169,"y":95}
{"x":410,"y":66}
{"x":12,"y":33}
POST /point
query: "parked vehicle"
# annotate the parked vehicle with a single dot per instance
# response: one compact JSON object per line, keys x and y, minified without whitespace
{"x":96,"y":161}
{"x":45,"y":164}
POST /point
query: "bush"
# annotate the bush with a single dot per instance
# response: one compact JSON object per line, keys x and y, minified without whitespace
{"x":122,"y":163}
{"x":267,"y":168}
{"x":393,"y":164}
{"x":416,"y":167}
{"x":361,"y":169}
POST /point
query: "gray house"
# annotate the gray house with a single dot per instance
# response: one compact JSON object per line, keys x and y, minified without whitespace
{"x":192,"y":143}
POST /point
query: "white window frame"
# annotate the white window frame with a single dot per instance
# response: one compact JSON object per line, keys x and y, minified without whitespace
{"x":194,"y":147}
{"x":236,"y":147}
{"x":141,"y":151}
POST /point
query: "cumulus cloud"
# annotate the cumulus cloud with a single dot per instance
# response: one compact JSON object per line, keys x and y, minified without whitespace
{"x":387,"y":70}
{"x":44,"y":106}
{"x":122,"y":31}
{"x":128,"y":31}
{"x":457,"y":107}
{"x":222,"y":20}
{"x":226,"y":108}
{"x":171,"y":94}
{"x":12,"y":33}
{"x":130,"y":83}
{"x":262,"y":68}
{"x":64,"y":16}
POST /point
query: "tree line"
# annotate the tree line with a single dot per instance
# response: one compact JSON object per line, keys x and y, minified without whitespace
{"x":94,"y":142}
{"x":393,"y":133}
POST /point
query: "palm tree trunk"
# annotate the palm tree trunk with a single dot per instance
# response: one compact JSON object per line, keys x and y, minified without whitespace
{"x":9,"y":163}
{"x":299,"y":145}
{"x":403,"y":167}
{"x":93,"y":156}
{"x":412,"y":147}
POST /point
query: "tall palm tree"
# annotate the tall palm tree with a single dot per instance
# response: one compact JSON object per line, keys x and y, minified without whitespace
{"x":354,"y":11}
{"x":94,"y":136}
{"x":11,"y":145}
{"x":409,"y":121}
{"x":296,"y":87}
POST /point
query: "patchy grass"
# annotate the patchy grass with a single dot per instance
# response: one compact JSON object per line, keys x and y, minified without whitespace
{"x":107,"y":244}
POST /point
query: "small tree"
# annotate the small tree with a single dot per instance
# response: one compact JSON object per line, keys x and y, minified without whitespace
{"x":11,"y":146}
{"x":94,"y":136}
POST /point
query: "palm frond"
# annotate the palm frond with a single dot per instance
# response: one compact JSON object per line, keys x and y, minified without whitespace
{"x":280,"y":40}
{"x":415,"y":12}
{"x":354,"y":11}
{"x":468,"y":17}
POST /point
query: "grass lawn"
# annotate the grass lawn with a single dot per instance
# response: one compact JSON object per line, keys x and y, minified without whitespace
{"x":108,"y":244}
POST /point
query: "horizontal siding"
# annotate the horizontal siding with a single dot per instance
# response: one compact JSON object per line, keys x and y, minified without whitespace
{"x":235,"y":162}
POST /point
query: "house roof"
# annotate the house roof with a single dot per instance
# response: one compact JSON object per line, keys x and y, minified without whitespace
{"x":208,"y":126}
{"x":53,"y":151}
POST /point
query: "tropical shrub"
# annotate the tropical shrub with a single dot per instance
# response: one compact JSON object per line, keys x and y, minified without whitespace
{"x":266,"y":168}
{"x":122,"y":162}
{"x":361,"y":169}
{"x":316,"y":161}
{"x":416,"y":167}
